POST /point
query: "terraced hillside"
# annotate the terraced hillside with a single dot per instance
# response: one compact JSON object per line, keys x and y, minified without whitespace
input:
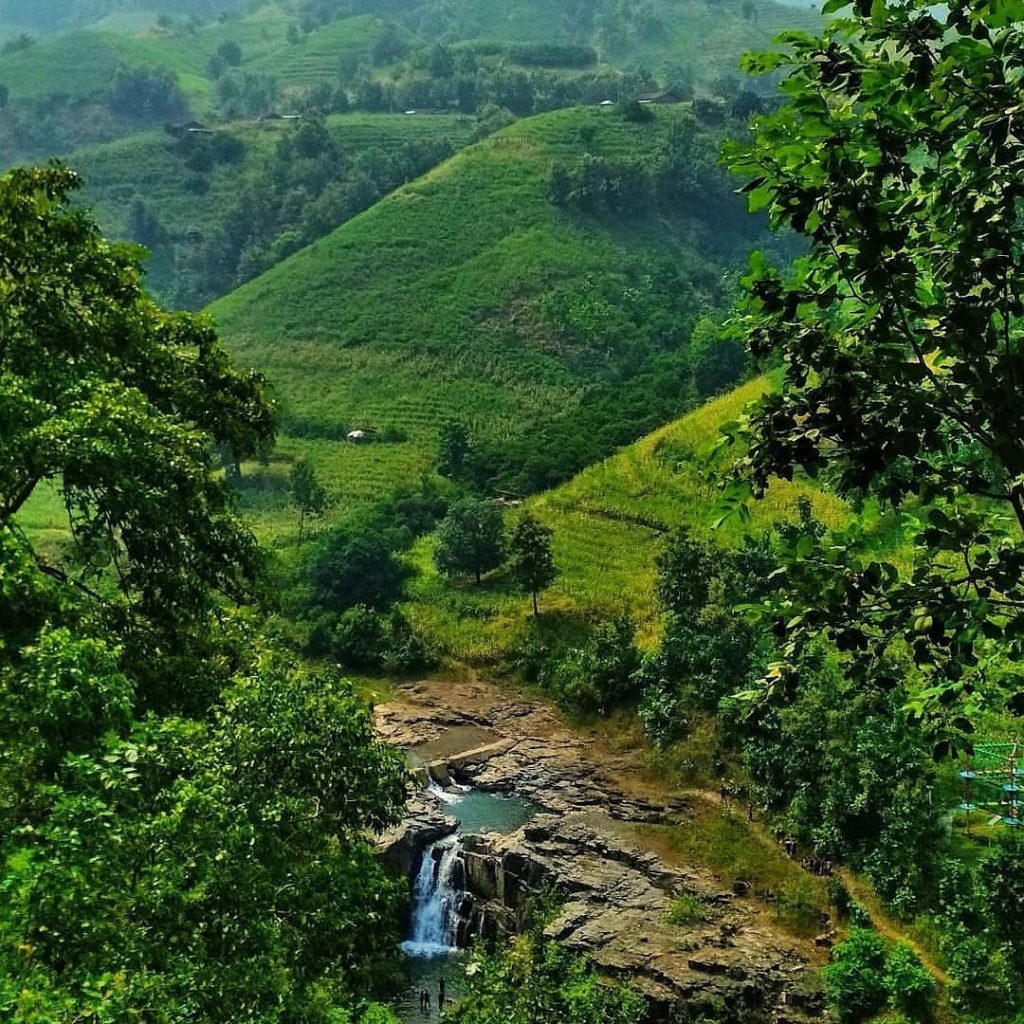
{"x":470,"y":295}
{"x":610,"y":523}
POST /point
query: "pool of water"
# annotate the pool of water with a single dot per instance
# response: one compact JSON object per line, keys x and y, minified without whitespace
{"x":478,"y":811}
{"x":425,"y":974}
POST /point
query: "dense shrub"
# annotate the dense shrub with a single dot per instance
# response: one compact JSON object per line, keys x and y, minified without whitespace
{"x":599,"y":676}
{"x":855,"y":979}
{"x":357,"y":564}
{"x":537,"y":980}
{"x":911,"y":988}
{"x":146,"y":94}
{"x":357,"y":639}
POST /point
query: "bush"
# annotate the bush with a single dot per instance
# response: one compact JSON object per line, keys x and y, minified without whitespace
{"x":534,"y":980}
{"x":839,"y":898}
{"x":911,"y":988}
{"x":612,"y":662}
{"x":358,"y":638}
{"x":598,"y":677}
{"x":662,"y":712}
{"x":686,"y":910}
{"x":855,"y":980}
{"x":405,"y":651}
{"x":352,"y":566}
{"x":372,"y":641}
{"x":637,"y":112}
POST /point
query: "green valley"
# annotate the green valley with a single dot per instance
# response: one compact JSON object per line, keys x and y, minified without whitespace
{"x":511,"y":512}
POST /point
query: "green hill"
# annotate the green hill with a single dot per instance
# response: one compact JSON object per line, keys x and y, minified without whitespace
{"x":316,"y":56}
{"x":469,"y":295}
{"x":80,"y":63}
{"x":56,"y":15}
{"x":182,"y":197}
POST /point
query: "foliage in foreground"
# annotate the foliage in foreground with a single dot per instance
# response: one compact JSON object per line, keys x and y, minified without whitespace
{"x":900,"y":338}
{"x":532,"y":981}
{"x":866,"y":976}
{"x":183,"y":814}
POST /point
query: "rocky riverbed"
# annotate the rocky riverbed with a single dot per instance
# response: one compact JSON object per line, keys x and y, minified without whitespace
{"x":589,"y":840}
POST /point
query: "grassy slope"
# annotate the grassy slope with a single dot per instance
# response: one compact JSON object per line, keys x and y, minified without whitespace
{"x":609,"y":524}
{"x":425,"y":307}
{"x":80,"y":63}
{"x":146,"y":164}
{"x":77,"y":63}
{"x":316,"y":57}
{"x":710,"y":37}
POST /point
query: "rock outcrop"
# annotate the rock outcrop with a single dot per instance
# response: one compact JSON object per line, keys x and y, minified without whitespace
{"x":425,"y":822}
{"x":732,"y":964}
{"x":618,"y":899}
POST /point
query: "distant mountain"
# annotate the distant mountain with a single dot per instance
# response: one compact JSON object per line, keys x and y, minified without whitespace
{"x":57,"y":15}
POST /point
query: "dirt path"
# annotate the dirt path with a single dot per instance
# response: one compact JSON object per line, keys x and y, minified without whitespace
{"x":886,"y":925}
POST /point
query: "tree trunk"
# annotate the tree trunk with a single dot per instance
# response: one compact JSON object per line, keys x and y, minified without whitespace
{"x":18,"y":499}
{"x":536,"y":611}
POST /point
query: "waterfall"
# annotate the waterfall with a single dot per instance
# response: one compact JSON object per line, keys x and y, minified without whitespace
{"x":441,"y":795}
{"x":437,"y":895}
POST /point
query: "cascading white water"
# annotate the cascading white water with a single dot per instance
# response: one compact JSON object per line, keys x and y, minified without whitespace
{"x":437,"y":894}
{"x":442,"y":796}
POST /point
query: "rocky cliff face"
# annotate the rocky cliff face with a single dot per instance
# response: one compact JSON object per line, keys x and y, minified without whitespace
{"x":616,"y":893}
